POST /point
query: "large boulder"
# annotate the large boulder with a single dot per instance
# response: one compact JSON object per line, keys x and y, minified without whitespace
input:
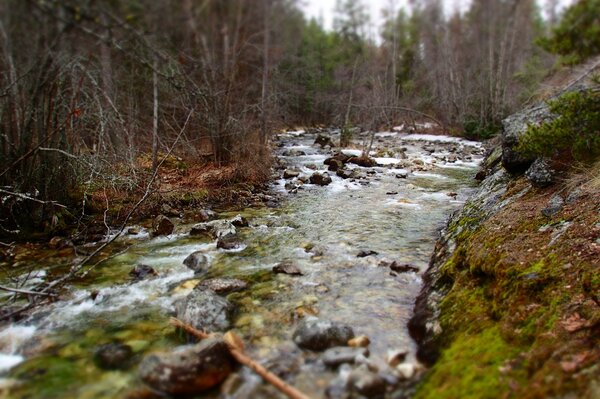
{"x":187,"y":370}
{"x":513,"y":128}
{"x":318,"y":335}
{"x":198,"y":262}
{"x":205,"y":310}
{"x":320,"y":179}
{"x":162,"y":226}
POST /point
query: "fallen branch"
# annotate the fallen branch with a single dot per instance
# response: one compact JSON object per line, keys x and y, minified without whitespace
{"x":27,"y":197}
{"x":236,"y":348}
{"x":25,"y":292}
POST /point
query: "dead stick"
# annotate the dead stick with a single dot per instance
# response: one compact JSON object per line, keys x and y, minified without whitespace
{"x":238,"y":354}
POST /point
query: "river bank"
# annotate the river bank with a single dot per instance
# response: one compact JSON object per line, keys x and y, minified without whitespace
{"x":510,"y":303}
{"x":390,"y":211}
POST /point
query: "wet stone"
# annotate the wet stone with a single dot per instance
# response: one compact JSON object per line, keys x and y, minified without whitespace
{"x":365,"y":253}
{"x":366,"y":382}
{"x":198,"y":262}
{"x":223,"y":286}
{"x":114,"y":356}
{"x":337,"y":356}
{"x":187,"y":370}
{"x":229,"y":242}
{"x":162,"y":226}
{"x":141,"y":272}
{"x":318,"y":335}
{"x":320,"y":179}
{"x":398,"y":268}
{"x":205,"y":310}
{"x":290,"y":174}
{"x":240,"y":221}
{"x":206,"y":215}
{"x":287,"y":268}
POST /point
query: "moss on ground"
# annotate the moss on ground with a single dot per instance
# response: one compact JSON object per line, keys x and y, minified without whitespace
{"x":522,"y":314}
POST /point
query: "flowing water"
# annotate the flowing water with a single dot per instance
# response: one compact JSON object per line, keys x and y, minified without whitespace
{"x":320,"y":229}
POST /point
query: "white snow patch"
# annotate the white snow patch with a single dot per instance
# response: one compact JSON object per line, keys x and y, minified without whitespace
{"x":440,"y":139}
{"x":387,"y":161}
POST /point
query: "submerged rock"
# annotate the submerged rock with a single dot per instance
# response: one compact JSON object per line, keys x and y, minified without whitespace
{"x":318,"y":335}
{"x":540,"y":174}
{"x":162,"y":226}
{"x":398,"y":268}
{"x":229,"y":242}
{"x":223,"y":286}
{"x":334,"y":357}
{"x":366,"y":382}
{"x":114,"y":356}
{"x":205,"y":310}
{"x":188,"y":370}
{"x":287,"y":268}
{"x":320,"y":179}
{"x":140,"y":272}
{"x":198,"y":262}
{"x":364,"y":254}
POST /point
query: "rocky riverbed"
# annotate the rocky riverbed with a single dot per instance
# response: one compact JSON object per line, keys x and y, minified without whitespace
{"x":320,"y":284}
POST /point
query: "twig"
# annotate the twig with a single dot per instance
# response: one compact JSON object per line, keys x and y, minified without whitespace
{"x":26,"y":197}
{"x":237,"y":352}
{"x":25,"y":292}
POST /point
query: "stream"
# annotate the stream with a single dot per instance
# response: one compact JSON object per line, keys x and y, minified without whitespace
{"x":394,"y":209}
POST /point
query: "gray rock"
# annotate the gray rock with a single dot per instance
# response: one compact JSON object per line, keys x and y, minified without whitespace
{"x":187,"y":370}
{"x":337,"y":356}
{"x":114,"y":356}
{"x":539,"y":173}
{"x":318,"y":335}
{"x":554,"y":206}
{"x":223,"y":286}
{"x":198,"y":262}
{"x":366,"y":382}
{"x":364,"y":254}
{"x":214,"y":229}
{"x":162,"y":226}
{"x":205,"y":310}
{"x":320,"y":179}
{"x":401,"y":175}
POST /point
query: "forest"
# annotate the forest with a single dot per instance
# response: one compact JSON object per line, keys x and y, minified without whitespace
{"x":100,"y":90}
{"x":230,"y":199}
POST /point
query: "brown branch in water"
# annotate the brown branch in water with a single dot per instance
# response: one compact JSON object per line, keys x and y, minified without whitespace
{"x":236,"y":349}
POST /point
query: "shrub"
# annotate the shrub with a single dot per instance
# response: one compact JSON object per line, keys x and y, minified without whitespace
{"x":576,"y":128}
{"x":577,"y":36}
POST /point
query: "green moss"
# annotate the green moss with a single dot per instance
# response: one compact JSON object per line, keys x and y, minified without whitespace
{"x":470,"y":368}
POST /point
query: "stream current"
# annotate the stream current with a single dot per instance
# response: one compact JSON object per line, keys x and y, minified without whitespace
{"x":319,"y":229}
